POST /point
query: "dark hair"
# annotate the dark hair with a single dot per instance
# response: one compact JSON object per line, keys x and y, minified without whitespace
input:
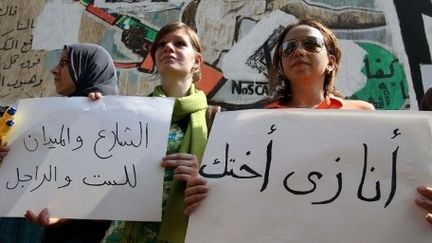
{"x":280,"y":85}
{"x":195,"y":42}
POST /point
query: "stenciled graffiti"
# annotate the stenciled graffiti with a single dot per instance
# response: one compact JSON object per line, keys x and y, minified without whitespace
{"x":386,"y":86}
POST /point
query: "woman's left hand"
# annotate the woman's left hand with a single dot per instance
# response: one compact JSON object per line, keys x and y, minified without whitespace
{"x":196,"y":191}
{"x":425,"y":201}
{"x":185,"y":166}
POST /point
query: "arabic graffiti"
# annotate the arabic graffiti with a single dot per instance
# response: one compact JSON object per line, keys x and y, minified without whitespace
{"x":8,"y":11}
{"x":245,"y":171}
{"x":386,"y":86}
{"x":415,"y":40}
{"x":20,"y":68}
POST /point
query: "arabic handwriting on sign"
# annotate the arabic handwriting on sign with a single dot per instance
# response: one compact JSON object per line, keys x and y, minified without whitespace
{"x":360,"y":195}
{"x":296,"y":192}
{"x":230,"y":172}
{"x":318,"y":175}
{"x":63,"y":138}
{"x":395,"y":133}
{"x":68,"y":181}
{"x":272,"y":129}
{"x":108,"y":140}
{"x":365,"y":170}
{"x":46,"y":177}
{"x":312,"y":177}
{"x":52,"y":142}
{"x":130,"y":180}
{"x":377,"y":183}
{"x":50,"y":175}
{"x":393,"y":177}
{"x":30,"y":143}
{"x":19,"y":180}
{"x":243,"y":168}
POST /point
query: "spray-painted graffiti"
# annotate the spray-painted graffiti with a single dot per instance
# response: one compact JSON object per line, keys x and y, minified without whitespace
{"x":238,"y":37}
{"x":414,"y":37}
{"x":19,"y":65}
{"x":386,"y":86}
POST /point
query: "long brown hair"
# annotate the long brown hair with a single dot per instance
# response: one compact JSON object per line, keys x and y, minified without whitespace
{"x":280,"y":85}
{"x":195,"y":42}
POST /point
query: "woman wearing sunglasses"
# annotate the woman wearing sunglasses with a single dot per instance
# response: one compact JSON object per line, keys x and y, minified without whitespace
{"x":304,"y":68}
{"x":302,"y":75}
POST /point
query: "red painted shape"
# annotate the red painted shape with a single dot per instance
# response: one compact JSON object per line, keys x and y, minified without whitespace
{"x":126,"y":65}
{"x":210,"y":75}
{"x":101,"y":14}
{"x":209,"y":79}
{"x":147,"y":64}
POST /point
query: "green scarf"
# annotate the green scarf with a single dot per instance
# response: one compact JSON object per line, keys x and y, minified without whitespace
{"x":174,"y":222}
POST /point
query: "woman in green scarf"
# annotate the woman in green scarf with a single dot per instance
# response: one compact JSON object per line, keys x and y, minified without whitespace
{"x":177,"y":54}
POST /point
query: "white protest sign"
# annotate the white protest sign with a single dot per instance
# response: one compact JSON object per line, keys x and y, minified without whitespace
{"x":314,"y":176}
{"x":87,"y":159}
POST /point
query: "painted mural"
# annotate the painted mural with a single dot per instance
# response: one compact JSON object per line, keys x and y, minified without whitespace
{"x":384,"y":44}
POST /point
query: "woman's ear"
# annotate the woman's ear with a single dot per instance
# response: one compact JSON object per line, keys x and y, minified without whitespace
{"x":330,"y":65}
{"x":198,"y":61}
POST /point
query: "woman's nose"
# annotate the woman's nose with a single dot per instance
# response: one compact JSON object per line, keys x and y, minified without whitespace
{"x":298,"y":50}
{"x":54,"y":70}
{"x":169,"y":47}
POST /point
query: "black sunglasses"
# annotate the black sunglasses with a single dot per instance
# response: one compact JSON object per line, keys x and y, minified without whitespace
{"x":310,"y":44}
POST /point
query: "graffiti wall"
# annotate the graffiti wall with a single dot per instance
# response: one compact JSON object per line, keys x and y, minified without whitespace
{"x":385,"y":44}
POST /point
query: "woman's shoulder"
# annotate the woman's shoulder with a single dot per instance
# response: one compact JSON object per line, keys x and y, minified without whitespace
{"x":357,"y":105}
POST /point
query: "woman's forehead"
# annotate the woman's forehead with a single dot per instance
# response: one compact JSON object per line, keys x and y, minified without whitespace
{"x":64,"y":54}
{"x":302,"y":31}
{"x":178,"y":34}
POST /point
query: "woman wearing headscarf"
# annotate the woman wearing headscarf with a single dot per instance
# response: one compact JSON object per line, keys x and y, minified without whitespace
{"x":81,"y":70}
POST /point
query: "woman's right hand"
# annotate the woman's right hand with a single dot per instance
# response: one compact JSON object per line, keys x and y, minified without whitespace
{"x":95,"y":96}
